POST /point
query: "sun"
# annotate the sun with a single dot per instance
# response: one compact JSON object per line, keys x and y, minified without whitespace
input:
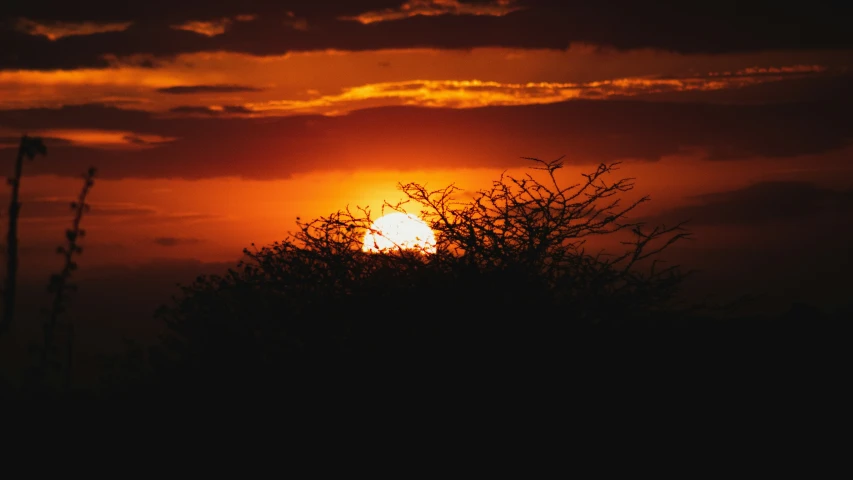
{"x":399,"y":231}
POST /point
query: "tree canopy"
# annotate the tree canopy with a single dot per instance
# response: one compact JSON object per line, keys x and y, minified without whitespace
{"x":511,"y":270}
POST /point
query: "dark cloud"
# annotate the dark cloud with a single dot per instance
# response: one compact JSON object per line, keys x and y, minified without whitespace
{"x":77,"y":116}
{"x":175,"y":241}
{"x":811,"y":268}
{"x":807,"y":88}
{"x":16,"y":140}
{"x":236,"y":109}
{"x":193,"y":89}
{"x":410,"y":137}
{"x":176,"y":12}
{"x":762,"y":203}
{"x":676,"y":26}
{"x":184,"y":218}
{"x":136,"y":140}
{"x":783,"y":241}
{"x":52,"y":208}
{"x":208,"y":111}
{"x":193,"y":110}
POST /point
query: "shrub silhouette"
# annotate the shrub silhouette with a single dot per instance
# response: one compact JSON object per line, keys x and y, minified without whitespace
{"x":510,"y":274}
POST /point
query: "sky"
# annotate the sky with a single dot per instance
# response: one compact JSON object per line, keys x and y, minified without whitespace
{"x":214,"y":124}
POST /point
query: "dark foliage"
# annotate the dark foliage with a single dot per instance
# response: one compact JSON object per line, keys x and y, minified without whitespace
{"x":513,"y":302}
{"x":510,"y":277}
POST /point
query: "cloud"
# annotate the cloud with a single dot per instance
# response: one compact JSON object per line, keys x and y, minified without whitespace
{"x":103,"y":139}
{"x":586,"y":131}
{"x":230,"y":110}
{"x":56,"y":30}
{"x":208,"y":29}
{"x":762,"y":203}
{"x":50,"y":208}
{"x":166,"y":30}
{"x":175,"y":241}
{"x":87,"y":137}
{"x":790,"y":239}
{"x":13,"y":141}
{"x":183,"y":218}
{"x":191,"y":110}
{"x":480,"y":93}
{"x":193,"y":89}
{"x":342,"y":82}
{"x":296,"y":23}
{"x":212,"y":28}
{"x":57,"y":210}
{"x":429,"y":8}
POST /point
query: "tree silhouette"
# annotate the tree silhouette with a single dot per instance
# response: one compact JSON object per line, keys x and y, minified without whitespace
{"x":28,"y":148}
{"x":511,"y":272}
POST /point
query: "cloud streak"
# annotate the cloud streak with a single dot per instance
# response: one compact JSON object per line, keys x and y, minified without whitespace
{"x":217,"y":111}
{"x":328,"y":81}
{"x":761,"y":203}
{"x":98,"y":138}
{"x":56,"y":30}
{"x":194,"y":89}
{"x":480,"y":93}
{"x":175,"y":241}
{"x":223,"y":84}
{"x":212,"y":28}
{"x":431,"y":8}
{"x":163,"y":30}
{"x":51,"y":208}
{"x":416,"y":137}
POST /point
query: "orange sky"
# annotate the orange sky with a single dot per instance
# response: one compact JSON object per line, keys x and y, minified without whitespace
{"x":215,"y":124}
{"x":134,"y":221}
{"x":214,"y":128}
{"x":335,"y":82}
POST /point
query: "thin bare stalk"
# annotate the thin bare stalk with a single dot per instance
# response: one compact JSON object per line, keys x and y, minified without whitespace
{"x":59,"y":285}
{"x":29,"y":148}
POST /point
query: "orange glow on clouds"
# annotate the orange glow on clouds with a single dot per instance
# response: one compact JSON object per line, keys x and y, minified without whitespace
{"x":771,"y":71}
{"x":212,"y":28}
{"x":208,"y":29}
{"x":130,"y":77}
{"x":296,"y":23}
{"x":55,"y":31}
{"x":413,"y":8}
{"x":105,"y":139}
{"x":332,"y":82}
{"x":480,"y":93}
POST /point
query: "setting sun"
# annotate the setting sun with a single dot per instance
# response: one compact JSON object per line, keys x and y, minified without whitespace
{"x":399,"y":231}
{"x":207,"y":199}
